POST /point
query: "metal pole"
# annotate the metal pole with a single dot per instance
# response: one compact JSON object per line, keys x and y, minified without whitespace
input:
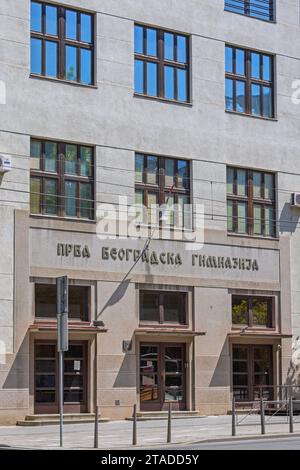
{"x":233,"y":417}
{"x":291,"y":414}
{"x":96,"y":431}
{"x":262,"y":416}
{"x":61,"y":398}
{"x":169,"y":436}
{"x":134,"y":430}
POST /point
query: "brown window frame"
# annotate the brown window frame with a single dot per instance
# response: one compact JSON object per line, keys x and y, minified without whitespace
{"x":62,"y":42}
{"x":160,"y":189}
{"x":252,"y":201}
{"x":161,"y":62}
{"x":248,"y":80}
{"x":161,"y":321}
{"x":60,"y":177}
{"x":271,"y":324}
{"x":246,"y":9}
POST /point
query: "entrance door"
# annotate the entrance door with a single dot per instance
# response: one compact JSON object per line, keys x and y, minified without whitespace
{"x":46,"y":378}
{"x":162,"y":376}
{"x":252,"y":372}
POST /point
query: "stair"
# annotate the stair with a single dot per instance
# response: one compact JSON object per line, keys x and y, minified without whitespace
{"x":163,"y":415}
{"x":48,"y":419}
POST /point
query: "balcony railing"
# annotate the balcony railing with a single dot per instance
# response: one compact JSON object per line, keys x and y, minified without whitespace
{"x":261,"y":9}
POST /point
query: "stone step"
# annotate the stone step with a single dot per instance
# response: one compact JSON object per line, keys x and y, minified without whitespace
{"x":48,"y":419}
{"x":163,"y":415}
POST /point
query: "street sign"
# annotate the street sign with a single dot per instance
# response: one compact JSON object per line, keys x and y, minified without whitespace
{"x":62,"y":288}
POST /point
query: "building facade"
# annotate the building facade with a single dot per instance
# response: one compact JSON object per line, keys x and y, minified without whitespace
{"x":110,"y":103}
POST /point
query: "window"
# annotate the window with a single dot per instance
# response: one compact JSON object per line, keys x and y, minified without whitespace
{"x":62,"y":43}
{"x":45,"y":302}
{"x":165,"y":183}
{"x":254,"y":312}
{"x":251,"y":207}
{"x":249,"y":82}
{"x":163,"y":307}
{"x":61,"y":179}
{"x":261,"y":9}
{"x":161,"y":64}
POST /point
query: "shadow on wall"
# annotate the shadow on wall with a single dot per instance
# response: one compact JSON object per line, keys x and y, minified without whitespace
{"x":293,"y":374}
{"x":116,"y":296}
{"x":127,"y":376}
{"x":18,"y":375}
{"x":221,"y":375}
{"x":289,"y":219}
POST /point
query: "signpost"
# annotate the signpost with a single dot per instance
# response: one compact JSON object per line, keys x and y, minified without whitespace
{"x":62,"y":302}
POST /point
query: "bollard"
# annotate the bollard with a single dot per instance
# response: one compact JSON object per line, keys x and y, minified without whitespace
{"x":134,"y":430}
{"x":169,"y":435}
{"x":291,"y":414}
{"x":96,"y":431}
{"x":233,"y":418}
{"x":262,"y":416}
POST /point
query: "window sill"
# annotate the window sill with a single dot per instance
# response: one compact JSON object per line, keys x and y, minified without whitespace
{"x":252,"y":237}
{"x":235,"y":113}
{"x":162,"y":326}
{"x":65,"y":82}
{"x":163,"y":100}
{"x":249,"y":16}
{"x":66,"y":219}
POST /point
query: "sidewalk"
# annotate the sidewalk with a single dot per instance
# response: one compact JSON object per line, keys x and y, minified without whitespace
{"x":118,"y":434}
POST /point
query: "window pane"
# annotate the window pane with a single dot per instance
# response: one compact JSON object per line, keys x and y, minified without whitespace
{"x":257,"y":222}
{"x":181,"y":49}
{"x":235,"y":6}
{"x":51,"y":20}
{"x":151,"y":79}
{"x":230,"y":180}
{"x":139,"y":168}
{"x":138,"y":40}
{"x":261,"y":9}
{"x":71,"y":63}
{"x":267,"y":102}
{"x":239,"y":311}
{"x":240,"y":61}
{"x":149,"y":307}
{"x":138,"y":76}
{"x":242,"y":217}
{"x":240,"y":96}
{"x":228,"y":59}
{"x":170,"y":210}
{"x":152,"y":208}
{"x":169,"y":46}
{"x":86,"y":201}
{"x":50,"y":156}
{"x":152,"y":169}
{"x":86,"y":66}
{"x":241,"y":183}
{"x":86,"y":28}
{"x":230,"y":226}
{"x":229,"y":94}
{"x":169,"y":83}
{"x":169,"y":173}
{"x":70,"y":198}
{"x":266,"y":67}
{"x":51,"y":59}
{"x":151,"y":42}
{"x":71,"y":24}
{"x":71,"y":159}
{"x":139,"y":202}
{"x":174,"y":308}
{"x":182,"y":84}
{"x":50,"y":197}
{"x":36,"y":56}
{"x":269,"y":222}
{"x":269,"y":186}
{"x":36,"y":17}
{"x":184,"y":215}
{"x":35,"y":154}
{"x":35,"y":195}
{"x":255,"y":98}
{"x":183,"y":174}
{"x":255,"y":65}
{"x":257,"y":184}
{"x":86,"y":161}
{"x":260,"y":312}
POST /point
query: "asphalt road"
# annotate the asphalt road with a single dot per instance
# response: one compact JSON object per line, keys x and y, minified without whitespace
{"x":290,"y":443}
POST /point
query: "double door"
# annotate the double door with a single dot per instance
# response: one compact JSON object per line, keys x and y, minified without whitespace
{"x":162,"y":377}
